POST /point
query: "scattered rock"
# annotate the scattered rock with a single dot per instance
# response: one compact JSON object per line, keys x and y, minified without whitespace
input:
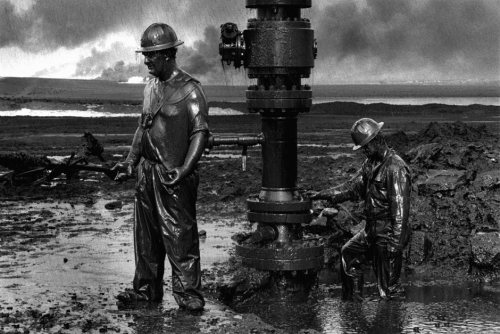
{"x":114,"y":205}
{"x":419,"y":247}
{"x":442,"y":181}
{"x":308,"y":331}
{"x":487,"y":180}
{"x":486,"y":250}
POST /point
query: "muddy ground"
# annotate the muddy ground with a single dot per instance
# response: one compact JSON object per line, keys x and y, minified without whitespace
{"x":67,"y":245}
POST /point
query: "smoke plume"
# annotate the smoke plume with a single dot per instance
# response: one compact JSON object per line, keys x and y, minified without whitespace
{"x":458,"y":38}
{"x":358,"y":40}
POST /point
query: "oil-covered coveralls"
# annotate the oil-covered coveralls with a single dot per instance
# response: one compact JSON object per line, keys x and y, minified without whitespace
{"x":385,"y":186}
{"x":165,"y":216}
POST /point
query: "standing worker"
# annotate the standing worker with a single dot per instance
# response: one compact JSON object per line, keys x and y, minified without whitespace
{"x":167,"y":145}
{"x":384,"y":183}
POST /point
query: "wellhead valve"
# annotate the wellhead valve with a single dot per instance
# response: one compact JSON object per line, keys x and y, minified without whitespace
{"x":278,"y":50}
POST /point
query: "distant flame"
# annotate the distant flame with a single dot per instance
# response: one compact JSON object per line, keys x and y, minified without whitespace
{"x":136,"y":79}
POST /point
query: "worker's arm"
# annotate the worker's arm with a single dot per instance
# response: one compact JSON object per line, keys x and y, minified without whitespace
{"x":198,"y":113}
{"x":125,"y":167}
{"x":399,"y":193}
{"x":349,"y":190}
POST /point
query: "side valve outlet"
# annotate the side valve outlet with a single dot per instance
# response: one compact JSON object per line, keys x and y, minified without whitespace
{"x":243,"y":141}
{"x":232,"y":45}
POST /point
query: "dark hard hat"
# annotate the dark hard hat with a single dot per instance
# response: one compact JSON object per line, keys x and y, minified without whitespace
{"x":158,"y":36}
{"x":364,"y":130}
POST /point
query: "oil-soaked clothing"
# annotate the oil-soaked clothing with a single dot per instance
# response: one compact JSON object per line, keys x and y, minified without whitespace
{"x":165,"y":216}
{"x":385,"y":187}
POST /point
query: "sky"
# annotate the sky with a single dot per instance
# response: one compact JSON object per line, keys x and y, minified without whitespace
{"x":359,"y":41}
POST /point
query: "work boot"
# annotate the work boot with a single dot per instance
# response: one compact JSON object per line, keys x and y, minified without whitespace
{"x":358,"y":289}
{"x":194,"y":305}
{"x":396,"y":263}
{"x":131,"y":299}
{"x":347,"y":284}
{"x":191,"y":304}
{"x":381,"y":266}
{"x":352,"y":288}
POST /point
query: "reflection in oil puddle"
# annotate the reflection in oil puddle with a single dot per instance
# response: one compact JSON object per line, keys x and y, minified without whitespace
{"x":427,"y":308}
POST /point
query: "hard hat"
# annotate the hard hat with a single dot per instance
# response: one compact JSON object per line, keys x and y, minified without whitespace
{"x":364,"y":130}
{"x":158,"y":36}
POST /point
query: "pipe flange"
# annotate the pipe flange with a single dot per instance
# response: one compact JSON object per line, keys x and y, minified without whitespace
{"x":255,"y":205}
{"x":281,"y":259}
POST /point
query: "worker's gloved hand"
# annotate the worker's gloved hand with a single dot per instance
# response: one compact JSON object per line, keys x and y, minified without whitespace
{"x":123,"y":169}
{"x":176,"y":175}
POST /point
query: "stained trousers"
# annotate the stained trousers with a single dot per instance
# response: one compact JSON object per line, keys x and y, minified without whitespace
{"x":371,"y":243}
{"x":165,"y":225}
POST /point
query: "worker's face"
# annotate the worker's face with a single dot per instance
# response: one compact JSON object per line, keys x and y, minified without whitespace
{"x":371,"y":150}
{"x":157,"y":63}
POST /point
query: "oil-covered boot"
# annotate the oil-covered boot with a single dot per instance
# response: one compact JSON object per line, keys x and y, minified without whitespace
{"x":358,"y":288}
{"x":381,"y":266}
{"x":347,"y":284}
{"x":396,"y":264}
{"x":352,"y":287}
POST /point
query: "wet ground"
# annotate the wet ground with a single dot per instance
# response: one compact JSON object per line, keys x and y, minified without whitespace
{"x":63,"y":262}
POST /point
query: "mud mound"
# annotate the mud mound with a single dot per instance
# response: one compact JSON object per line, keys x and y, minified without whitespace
{"x":451,"y":131}
{"x":475,"y":156}
{"x":455,"y":207}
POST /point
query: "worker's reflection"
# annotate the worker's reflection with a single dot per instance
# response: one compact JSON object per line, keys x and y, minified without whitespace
{"x":372,"y":317}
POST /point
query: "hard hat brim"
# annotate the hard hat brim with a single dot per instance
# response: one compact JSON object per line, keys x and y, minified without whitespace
{"x":369,"y":138}
{"x":160,"y":47}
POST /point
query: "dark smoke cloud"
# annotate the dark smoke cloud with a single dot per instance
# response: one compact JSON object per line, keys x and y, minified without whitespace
{"x":460,"y":37}
{"x":103,"y":64}
{"x":99,"y":60}
{"x":356,"y":39}
{"x":9,"y":25}
{"x":53,"y":23}
{"x":202,"y":59}
{"x":122,"y":72}
{"x":50,"y":24}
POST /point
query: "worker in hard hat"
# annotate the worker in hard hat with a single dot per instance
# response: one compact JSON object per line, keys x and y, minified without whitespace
{"x":166,"y":147}
{"x":384,"y":183}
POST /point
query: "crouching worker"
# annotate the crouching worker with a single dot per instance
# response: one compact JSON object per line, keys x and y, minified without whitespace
{"x":384,"y":183}
{"x":167,"y":145}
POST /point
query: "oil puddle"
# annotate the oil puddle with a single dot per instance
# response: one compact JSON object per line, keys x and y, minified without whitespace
{"x":217,"y":244}
{"x":429,"y":307}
